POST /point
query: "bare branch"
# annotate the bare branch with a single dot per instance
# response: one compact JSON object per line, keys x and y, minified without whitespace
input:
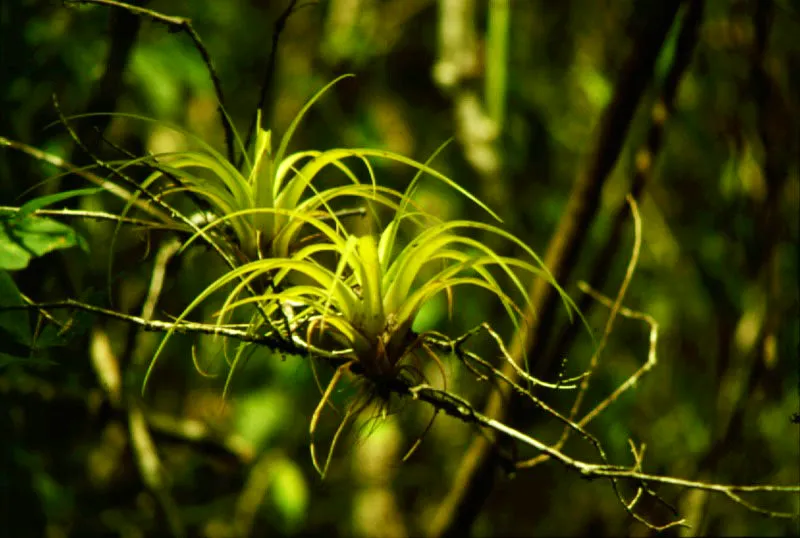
{"x":647,"y":366}
{"x":615,"y":307}
{"x":461,"y":409}
{"x":646,"y":158}
{"x":563,"y":249}
{"x":634,"y":260}
{"x":269,"y":340}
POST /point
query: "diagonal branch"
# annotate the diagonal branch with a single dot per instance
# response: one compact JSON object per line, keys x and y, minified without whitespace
{"x":646,"y":156}
{"x":461,"y":409}
{"x":462,"y":504}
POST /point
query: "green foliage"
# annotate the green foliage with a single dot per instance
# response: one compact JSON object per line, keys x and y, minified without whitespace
{"x":23,"y":237}
{"x":371,"y":296}
{"x":349,"y":293}
{"x":718,"y":216}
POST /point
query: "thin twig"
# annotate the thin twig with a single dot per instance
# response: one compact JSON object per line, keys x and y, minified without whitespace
{"x":594,"y":361}
{"x":269,"y":76}
{"x":645,"y":165}
{"x":97,"y":215}
{"x":58,"y":162}
{"x":647,"y":366}
{"x":634,"y":260}
{"x":159,"y":201}
{"x":563,"y":249}
{"x":616,"y":308}
{"x":269,"y":340}
{"x":459,"y":408}
{"x":569,"y":424}
{"x":165,"y":254}
{"x":181,"y":24}
{"x":527,"y":377}
{"x":157,"y":167}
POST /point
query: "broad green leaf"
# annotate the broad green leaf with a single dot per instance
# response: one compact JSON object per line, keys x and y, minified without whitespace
{"x":12,"y":256}
{"x":20,"y":240}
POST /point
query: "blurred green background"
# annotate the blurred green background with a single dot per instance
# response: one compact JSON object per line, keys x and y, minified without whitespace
{"x":718,"y":269}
